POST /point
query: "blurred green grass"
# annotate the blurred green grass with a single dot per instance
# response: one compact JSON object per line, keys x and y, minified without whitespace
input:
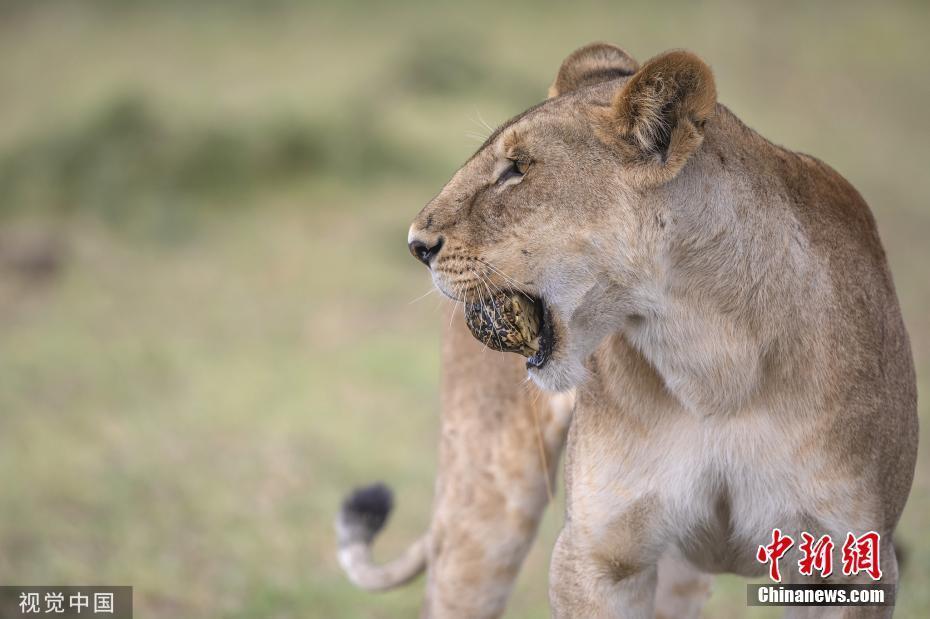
{"x":206,"y":333}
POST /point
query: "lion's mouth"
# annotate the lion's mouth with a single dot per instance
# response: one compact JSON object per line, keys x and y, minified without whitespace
{"x":545,"y":338}
{"x":513,"y":321}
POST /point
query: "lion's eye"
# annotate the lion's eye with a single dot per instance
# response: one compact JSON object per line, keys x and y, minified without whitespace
{"x":516,"y":169}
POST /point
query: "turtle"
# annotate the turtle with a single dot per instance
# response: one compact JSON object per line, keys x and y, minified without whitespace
{"x":508,"y":321}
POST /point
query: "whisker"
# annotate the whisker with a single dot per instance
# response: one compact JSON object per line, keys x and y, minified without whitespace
{"x":527,"y":385}
{"x":507,"y":320}
{"x":495,"y":287}
{"x":493,"y":305}
{"x":423,"y":296}
{"x":536,"y":399}
{"x":483,"y":122}
{"x":452,"y":313}
{"x":483,"y":311}
{"x":542,"y":449}
{"x":517,"y":285}
{"x":439,"y":301}
{"x":484,"y":345}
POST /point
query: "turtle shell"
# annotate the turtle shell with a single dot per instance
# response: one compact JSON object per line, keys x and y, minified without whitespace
{"x":509,"y":321}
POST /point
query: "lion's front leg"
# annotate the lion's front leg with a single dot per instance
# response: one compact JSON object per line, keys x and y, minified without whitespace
{"x":587,"y":581}
{"x":682,"y":589}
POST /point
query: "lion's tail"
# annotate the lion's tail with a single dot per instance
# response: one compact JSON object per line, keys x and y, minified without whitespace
{"x":362,"y":516}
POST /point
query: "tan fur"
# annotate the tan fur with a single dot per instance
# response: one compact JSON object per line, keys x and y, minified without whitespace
{"x":594,"y":63}
{"x":723,"y":307}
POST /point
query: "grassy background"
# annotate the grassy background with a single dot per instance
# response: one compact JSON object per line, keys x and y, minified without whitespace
{"x":206,"y":333}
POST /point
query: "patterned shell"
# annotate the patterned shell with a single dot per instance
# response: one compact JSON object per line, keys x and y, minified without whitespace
{"x":509,"y":322}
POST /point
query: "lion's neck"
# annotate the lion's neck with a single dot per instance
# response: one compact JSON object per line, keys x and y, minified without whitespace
{"x":724,"y":305}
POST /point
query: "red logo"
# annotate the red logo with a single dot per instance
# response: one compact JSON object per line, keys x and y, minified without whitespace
{"x":773,"y":552}
{"x":860,"y":554}
{"x":816,"y":556}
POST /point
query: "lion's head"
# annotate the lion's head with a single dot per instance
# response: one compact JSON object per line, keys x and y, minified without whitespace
{"x":566,"y":201}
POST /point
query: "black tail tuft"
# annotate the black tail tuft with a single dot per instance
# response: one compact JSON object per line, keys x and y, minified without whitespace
{"x":364,"y":513}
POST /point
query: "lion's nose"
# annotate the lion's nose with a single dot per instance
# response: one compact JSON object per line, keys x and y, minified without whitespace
{"x":423,"y":251}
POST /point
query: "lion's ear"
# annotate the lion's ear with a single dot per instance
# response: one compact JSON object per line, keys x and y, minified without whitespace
{"x":592,"y":64}
{"x":659,"y":114}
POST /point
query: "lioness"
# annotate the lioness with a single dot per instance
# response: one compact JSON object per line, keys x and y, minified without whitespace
{"x":723,"y":307}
